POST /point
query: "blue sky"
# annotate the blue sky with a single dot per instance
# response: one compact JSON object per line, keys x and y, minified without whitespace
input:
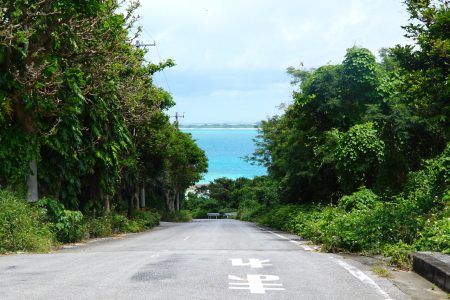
{"x":232,"y":55}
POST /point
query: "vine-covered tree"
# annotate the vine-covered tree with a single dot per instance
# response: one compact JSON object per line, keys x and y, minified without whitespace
{"x":78,"y":103}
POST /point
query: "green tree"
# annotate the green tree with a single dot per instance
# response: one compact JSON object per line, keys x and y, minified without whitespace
{"x":298,"y":147}
{"x":359,"y":154}
{"x":186,"y":163}
{"x":77,"y":98}
{"x":424,"y":72}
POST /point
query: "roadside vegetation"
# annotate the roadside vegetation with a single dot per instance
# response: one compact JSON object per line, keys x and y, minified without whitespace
{"x":360,"y":160}
{"x":46,"y":224}
{"x":78,"y":106}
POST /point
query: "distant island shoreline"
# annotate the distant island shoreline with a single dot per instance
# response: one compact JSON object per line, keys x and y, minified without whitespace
{"x":220,"y":126}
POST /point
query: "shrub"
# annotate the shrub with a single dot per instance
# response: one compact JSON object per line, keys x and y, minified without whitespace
{"x":436,"y":234}
{"x":363,"y":199}
{"x":249,"y":209}
{"x":364,"y":229}
{"x":361,"y":230}
{"x":68,"y":225}
{"x":175,"y":216}
{"x":135,"y":226}
{"x":400,"y":254}
{"x":99,"y":227}
{"x":116,"y":223}
{"x":185,"y":216}
{"x":430,"y":186}
{"x":22,"y":227}
{"x":200,"y":206}
{"x":279,"y":217}
{"x":147,"y":218}
{"x":306,"y":223}
{"x":119,"y":223}
{"x":199,"y":213}
{"x":351,"y":231}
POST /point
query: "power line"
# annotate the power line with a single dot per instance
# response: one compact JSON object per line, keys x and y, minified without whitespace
{"x":164,"y":73}
{"x":177,"y":116}
{"x":157,"y":53}
{"x":142,"y":45}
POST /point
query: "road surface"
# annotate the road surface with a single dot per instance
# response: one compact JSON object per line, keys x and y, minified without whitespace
{"x":205,"y":259}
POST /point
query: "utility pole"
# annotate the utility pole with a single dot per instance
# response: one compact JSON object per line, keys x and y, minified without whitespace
{"x":141,"y":201}
{"x":177,"y":194}
{"x":177,"y":116}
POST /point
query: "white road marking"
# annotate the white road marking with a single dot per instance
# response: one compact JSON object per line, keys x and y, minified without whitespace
{"x":278,"y":235}
{"x":304,"y":247}
{"x":232,"y":277}
{"x":186,"y":238}
{"x":255,"y":283}
{"x":360,"y":275}
{"x":254,"y":263}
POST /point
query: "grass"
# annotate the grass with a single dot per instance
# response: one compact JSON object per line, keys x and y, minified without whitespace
{"x":381,"y":271}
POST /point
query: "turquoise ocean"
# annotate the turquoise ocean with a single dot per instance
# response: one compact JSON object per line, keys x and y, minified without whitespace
{"x":225,"y":149}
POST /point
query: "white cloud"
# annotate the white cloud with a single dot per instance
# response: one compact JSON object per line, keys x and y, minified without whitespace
{"x":240,"y":42}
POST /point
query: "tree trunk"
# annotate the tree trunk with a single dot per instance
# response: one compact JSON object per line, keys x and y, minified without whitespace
{"x":27,"y":123}
{"x":32,"y":183}
{"x":130,"y":206}
{"x":178,"y":200}
{"x":143,"y":196}
{"x":136,"y":197}
{"x":106,"y":204}
{"x":170,"y":201}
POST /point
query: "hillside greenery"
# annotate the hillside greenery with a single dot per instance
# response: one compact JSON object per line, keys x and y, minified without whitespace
{"x":360,"y":159}
{"x":78,"y":101}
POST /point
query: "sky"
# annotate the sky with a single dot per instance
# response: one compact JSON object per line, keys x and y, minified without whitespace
{"x":231,"y":55}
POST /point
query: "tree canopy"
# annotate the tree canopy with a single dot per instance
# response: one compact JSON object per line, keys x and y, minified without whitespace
{"x":363,"y":122}
{"x":78,"y":98}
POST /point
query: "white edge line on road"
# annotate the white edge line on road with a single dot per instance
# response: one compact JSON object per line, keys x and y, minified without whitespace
{"x":306,"y":248}
{"x":186,"y":238}
{"x":360,"y":275}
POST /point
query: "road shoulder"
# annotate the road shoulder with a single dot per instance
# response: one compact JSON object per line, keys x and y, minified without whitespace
{"x":410,"y":283}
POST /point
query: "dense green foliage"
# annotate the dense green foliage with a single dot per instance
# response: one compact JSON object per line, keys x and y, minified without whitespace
{"x":363,"y":123}
{"x":68,"y":225}
{"x":77,"y":97}
{"x":416,"y":219}
{"x":200,"y":206}
{"x":22,"y":228}
{"x":364,"y":221}
{"x":363,"y":151}
{"x":224,"y":195}
{"x":177,"y":216}
{"x":43,"y":225}
{"x":360,"y":161}
{"x":146,"y":218}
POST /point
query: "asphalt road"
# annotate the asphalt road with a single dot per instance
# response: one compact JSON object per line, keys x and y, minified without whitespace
{"x":205,"y":259}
